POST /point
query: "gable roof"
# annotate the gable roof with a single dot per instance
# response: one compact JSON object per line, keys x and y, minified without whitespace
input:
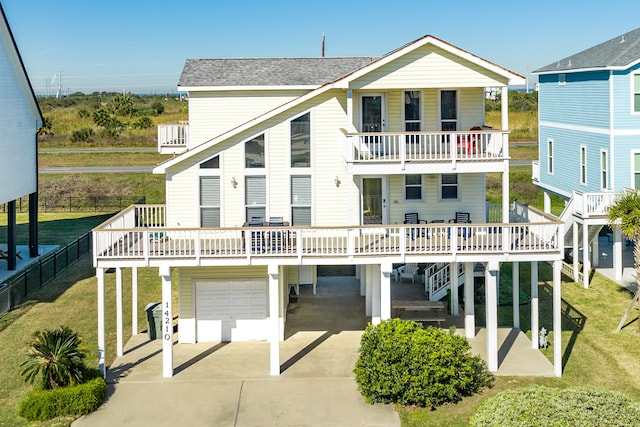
{"x":12,"y":47}
{"x":618,"y":53}
{"x":343,"y":82}
{"x":266,"y":72}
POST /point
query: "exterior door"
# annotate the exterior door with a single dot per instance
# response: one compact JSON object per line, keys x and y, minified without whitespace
{"x":374,"y":200}
{"x":372,"y":113}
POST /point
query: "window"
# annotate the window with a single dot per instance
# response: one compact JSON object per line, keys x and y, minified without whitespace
{"x":413,"y":187}
{"x":583,"y":165}
{"x":301,"y":200}
{"x":449,"y":186}
{"x":255,"y":194}
{"x":254,"y":152}
{"x":636,"y":93}
{"x":448,"y":110}
{"x":562,"y":79}
{"x":301,"y":141}
{"x":412,"y":111}
{"x":636,"y":171}
{"x":209,"y":201}
{"x":212,"y":163}
{"x":604,"y":166}
{"x":550,"y":156}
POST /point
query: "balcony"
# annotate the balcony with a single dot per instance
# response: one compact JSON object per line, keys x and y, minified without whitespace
{"x":173,"y":137}
{"x":593,"y":205}
{"x":137,"y":237}
{"x":475,"y":150}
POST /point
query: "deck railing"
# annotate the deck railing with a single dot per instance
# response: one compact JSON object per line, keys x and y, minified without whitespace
{"x":173,"y":137}
{"x":425,"y":146}
{"x":593,"y":204}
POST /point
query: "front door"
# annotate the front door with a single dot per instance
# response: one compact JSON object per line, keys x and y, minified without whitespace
{"x":372,"y":113}
{"x":374,"y":200}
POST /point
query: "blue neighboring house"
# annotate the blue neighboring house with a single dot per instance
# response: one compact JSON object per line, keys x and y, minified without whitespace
{"x":589,"y":139}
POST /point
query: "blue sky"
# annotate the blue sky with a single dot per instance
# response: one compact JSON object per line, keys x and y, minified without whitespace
{"x":140,"y":46}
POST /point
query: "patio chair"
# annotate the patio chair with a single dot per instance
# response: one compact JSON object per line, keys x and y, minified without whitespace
{"x":275,"y":237}
{"x":257,"y":237}
{"x":408,"y":271}
{"x":413,"y":218}
{"x":461,"y":218}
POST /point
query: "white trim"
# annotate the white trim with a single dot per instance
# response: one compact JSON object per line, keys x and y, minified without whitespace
{"x":554,"y":190}
{"x":590,"y":129}
{"x":245,"y":88}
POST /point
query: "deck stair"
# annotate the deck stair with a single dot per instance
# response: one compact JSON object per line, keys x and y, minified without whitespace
{"x":438,"y":280}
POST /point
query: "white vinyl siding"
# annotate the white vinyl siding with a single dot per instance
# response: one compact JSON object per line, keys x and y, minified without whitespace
{"x":301,"y":200}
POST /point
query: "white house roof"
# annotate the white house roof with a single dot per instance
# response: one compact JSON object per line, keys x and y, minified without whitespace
{"x":618,"y":53}
{"x":343,"y":82}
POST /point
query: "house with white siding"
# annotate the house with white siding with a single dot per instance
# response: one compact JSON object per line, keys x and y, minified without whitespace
{"x":20,"y":117}
{"x":589,"y":140}
{"x":287,"y":164}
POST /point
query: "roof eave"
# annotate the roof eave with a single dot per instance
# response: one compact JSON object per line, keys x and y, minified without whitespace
{"x":244,"y":88}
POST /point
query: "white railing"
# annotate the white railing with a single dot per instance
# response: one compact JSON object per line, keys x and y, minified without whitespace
{"x":439,"y":280}
{"x":425,"y":146}
{"x":172,"y":136}
{"x":535,"y":170}
{"x":593,"y":204}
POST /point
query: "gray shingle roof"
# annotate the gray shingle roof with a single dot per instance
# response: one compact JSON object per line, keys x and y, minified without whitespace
{"x":618,"y":52}
{"x":268,"y":71}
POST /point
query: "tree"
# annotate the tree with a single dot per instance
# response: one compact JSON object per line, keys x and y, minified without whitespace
{"x":625,"y":213}
{"x":54,"y":359}
{"x":47,"y":127}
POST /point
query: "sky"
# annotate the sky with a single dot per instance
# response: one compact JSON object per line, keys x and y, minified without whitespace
{"x":140,"y":46}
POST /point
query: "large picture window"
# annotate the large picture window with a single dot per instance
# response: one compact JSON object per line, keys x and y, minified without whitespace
{"x":301,"y":200}
{"x":255,"y":194}
{"x":449,"y":186}
{"x":254,"y":152}
{"x":301,"y":141}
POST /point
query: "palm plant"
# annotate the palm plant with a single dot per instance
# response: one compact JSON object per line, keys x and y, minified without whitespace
{"x":54,"y":358}
{"x":625,"y":213}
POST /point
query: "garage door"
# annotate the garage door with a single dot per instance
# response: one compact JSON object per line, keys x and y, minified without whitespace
{"x":231,"y":310}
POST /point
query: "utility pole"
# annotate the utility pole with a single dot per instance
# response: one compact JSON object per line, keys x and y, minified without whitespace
{"x":322,"y":53}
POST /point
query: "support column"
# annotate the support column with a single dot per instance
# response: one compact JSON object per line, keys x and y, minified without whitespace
{"x":546,"y":202}
{"x":586,"y":261}
{"x":505,"y":194}
{"x":167,"y":322}
{"x":33,"y":225}
{"x":360,"y":274}
{"x":119,"y":334}
{"x":11,"y":235}
{"x":535,"y":326}
{"x":469,"y":301}
{"x":101,"y":341}
{"x":274,"y":324}
{"x":453,"y":288}
{"x":557,"y":318}
{"x":617,"y":253}
{"x":491,"y":307}
{"x":134,"y":301}
{"x":375,"y":298}
{"x":516,"y":293}
{"x":595,"y":252}
{"x":385,"y":291}
{"x":576,"y":250}
{"x":368,"y":303}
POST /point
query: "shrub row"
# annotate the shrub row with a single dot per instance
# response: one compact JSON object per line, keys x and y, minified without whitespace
{"x":41,"y":405}
{"x":545,"y":406}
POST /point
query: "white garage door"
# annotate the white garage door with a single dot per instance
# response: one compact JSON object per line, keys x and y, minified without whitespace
{"x":231,"y":310}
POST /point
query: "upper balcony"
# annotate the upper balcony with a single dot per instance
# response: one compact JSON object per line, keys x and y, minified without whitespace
{"x":138,"y":236}
{"x":173,"y":137}
{"x":407,"y":152}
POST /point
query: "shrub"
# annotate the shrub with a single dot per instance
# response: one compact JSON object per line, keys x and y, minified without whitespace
{"x":539,"y":405}
{"x":143,"y":122}
{"x":402,"y":362}
{"x":158,"y":107}
{"x":77,"y":400}
{"x":82,"y":135}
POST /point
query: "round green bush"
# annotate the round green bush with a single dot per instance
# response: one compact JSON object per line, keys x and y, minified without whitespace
{"x":545,"y":406}
{"x":402,"y":362}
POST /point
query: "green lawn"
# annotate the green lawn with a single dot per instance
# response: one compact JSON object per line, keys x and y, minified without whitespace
{"x":50,"y":160}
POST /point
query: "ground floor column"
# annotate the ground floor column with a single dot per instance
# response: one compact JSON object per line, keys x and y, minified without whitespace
{"x":274,"y":322}
{"x":491,"y":308}
{"x":119,"y":327}
{"x":368,"y":303}
{"x":134,"y":301}
{"x":557,"y":318}
{"x":595,"y":252}
{"x":362,"y":277}
{"x":617,"y":253}
{"x":515,"y":280}
{"x":534,"y":305}
{"x":455,"y":305}
{"x":101,"y":335}
{"x":586,"y":261}
{"x":469,"y":301}
{"x":33,"y":225}
{"x":547,"y":202}
{"x":385,"y":290}
{"x":167,"y":323}
{"x":576,"y":251}
{"x":374,"y":278}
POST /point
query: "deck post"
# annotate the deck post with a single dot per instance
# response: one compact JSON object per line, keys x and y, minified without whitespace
{"x":374,"y":278}
{"x":547,"y":202}
{"x":557,"y":318}
{"x":134,"y":300}
{"x":617,"y":253}
{"x":366,"y":274}
{"x":385,"y":290}
{"x":534,"y":305}
{"x":576,"y":251}
{"x":586,"y":260}
{"x":469,"y":301}
{"x":515,"y":271}
{"x":595,"y":252}
{"x":167,"y":322}
{"x":274,"y":320}
{"x":101,"y":342}
{"x":453,"y":288}
{"x":491,"y":307}
{"x":119,"y":334}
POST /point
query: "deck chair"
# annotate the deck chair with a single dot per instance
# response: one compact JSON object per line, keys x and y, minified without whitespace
{"x":275,"y":237}
{"x":413,"y":218}
{"x":461,"y":218}
{"x":408,"y":271}
{"x":257,"y":237}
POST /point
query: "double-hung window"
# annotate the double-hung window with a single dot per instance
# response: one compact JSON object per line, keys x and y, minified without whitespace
{"x":636,"y":171}
{"x":583,"y":165}
{"x":636,"y":92}
{"x":255,"y":193}
{"x":413,"y":187}
{"x":210,"y":193}
{"x":604,"y":170}
{"x":550,"y":156}
{"x":449,"y":186}
{"x":300,"y":200}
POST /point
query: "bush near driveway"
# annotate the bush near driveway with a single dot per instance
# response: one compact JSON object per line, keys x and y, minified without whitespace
{"x":402,"y":362}
{"x":546,"y":406}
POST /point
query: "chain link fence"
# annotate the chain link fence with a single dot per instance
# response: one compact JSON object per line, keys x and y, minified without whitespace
{"x":77,"y":204}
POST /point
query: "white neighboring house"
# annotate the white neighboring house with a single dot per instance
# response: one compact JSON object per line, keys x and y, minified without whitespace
{"x":287,"y":164}
{"x":20,"y":118}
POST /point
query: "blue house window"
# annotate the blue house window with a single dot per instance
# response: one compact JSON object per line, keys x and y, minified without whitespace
{"x":636,"y":171}
{"x":550,"y":156}
{"x":583,"y":165}
{"x":604,"y":170}
{"x":636,"y":93}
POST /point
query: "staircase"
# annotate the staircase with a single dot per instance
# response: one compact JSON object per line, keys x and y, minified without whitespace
{"x":438,"y":279}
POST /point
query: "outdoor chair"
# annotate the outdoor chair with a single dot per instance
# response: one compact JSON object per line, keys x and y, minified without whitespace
{"x":461,"y":218}
{"x":257,"y":237}
{"x":275,"y":237}
{"x":408,"y":271}
{"x":413,"y":218}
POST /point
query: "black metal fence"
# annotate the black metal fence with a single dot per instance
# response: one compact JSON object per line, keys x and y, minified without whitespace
{"x":37,"y":275}
{"x":77,"y":204}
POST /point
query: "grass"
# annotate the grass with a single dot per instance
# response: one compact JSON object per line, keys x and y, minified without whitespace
{"x":523,"y":126}
{"x":54,"y":228}
{"x":50,"y":160}
{"x":524,"y":152}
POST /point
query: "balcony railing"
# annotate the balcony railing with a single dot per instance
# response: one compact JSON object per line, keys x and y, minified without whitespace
{"x":137,"y":235}
{"x":173,"y":137}
{"x":593,"y":204}
{"x":535,"y":171}
{"x":477,"y":145}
